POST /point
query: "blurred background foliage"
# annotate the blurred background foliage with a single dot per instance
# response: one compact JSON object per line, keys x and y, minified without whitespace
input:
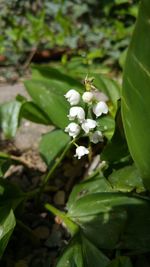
{"x":94,"y":30}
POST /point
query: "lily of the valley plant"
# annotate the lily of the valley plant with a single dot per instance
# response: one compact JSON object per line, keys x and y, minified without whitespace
{"x":83,"y":114}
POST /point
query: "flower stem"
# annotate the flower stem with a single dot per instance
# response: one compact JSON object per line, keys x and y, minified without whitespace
{"x":72,"y":227}
{"x":57,"y":162}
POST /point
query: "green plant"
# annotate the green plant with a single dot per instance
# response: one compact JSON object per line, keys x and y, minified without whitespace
{"x":108,"y":212}
{"x":96,"y":31}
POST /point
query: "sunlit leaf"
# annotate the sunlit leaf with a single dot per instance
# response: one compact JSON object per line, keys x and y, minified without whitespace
{"x":93,"y":185}
{"x":9,"y":118}
{"x":7,"y":224}
{"x":113,"y":220}
{"x":50,"y":98}
{"x":136,"y":93}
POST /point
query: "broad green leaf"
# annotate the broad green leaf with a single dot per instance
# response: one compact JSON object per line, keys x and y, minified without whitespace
{"x":10,"y":198}
{"x":126,"y":179}
{"x":92,"y":256}
{"x":32,"y":112}
{"x":52,"y":144}
{"x":113,"y":220}
{"x":50,"y":98}
{"x":121,"y":261}
{"x":82,"y":253}
{"x":136,"y":93}
{"x":93,"y":185}
{"x":96,"y":216}
{"x":47,"y":72}
{"x":72,"y":256}
{"x":9,"y":118}
{"x":7,"y":224}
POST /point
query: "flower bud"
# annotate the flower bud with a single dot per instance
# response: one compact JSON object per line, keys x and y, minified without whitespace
{"x":87,"y":97}
{"x":96,"y":137}
{"x":73,"y":97}
{"x":81,"y":151}
{"x":100,"y":108}
{"x":77,"y":112}
{"x":88,"y":125}
{"x":73,"y":129}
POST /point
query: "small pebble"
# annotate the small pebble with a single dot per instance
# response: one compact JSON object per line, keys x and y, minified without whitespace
{"x":41,"y":232}
{"x":59,"y":198}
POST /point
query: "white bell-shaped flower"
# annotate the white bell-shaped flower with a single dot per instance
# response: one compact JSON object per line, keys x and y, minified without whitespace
{"x":87,"y":97}
{"x":77,"y":112}
{"x":96,"y":137}
{"x":88,"y":125}
{"x":81,"y":151}
{"x":73,"y":129}
{"x":73,"y":97}
{"x":100,"y":108}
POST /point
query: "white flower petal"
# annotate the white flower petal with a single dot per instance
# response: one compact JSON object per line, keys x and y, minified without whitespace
{"x":88,"y":124}
{"x":81,"y":151}
{"x":87,"y":97}
{"x":73,"y":97}
{"x":73,"y":129}
{"x":77,"y":112}
{"x":100,"y":108}
{"x":96,"y":137}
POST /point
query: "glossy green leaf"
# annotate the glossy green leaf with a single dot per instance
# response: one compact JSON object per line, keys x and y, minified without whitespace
{"x":7,"y":224}
{"x":93,"y":256}
{"x":120,"y":262}
{"x":93,"y":185}
{"x":50,"y":98}
{"x":82,"y":253}
{"x":47,"y":72}
{"x":52,"y":144}
{"x":113,"y":220}
{"x":10,"y":198}
{"x":127,"y":179}
{"x":32,"y":112}
{"x":72,"y":256}
{"x":9,"y":118}
{"x":99,"y":222}
{"x":136,"y":93}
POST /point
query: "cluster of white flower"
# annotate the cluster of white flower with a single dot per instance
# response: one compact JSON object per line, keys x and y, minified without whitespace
{"x":82,"y":123}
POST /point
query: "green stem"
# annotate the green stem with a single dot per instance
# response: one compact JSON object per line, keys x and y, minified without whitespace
{"x":72,"y":227}
{"x":57,"y":162}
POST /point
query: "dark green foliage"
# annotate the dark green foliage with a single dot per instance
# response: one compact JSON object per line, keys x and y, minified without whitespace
{"x":95,"y":29}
